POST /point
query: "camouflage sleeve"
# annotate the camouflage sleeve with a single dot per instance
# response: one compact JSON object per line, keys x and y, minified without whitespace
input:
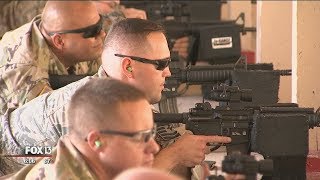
{"x":88,"y":67}
{"x":19,"y":130}
{"x":23,"y":73}
{"x":66,"y":161}
{"x":8,"y":164}
{"x":40,"y":122}
{"x":20,"y":84}
{"x":166,"y":133}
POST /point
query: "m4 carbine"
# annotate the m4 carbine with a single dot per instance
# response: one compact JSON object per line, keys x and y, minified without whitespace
{"x":279,"y":132}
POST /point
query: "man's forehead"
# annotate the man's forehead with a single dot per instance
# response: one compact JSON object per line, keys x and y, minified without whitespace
{"x":157,"y":45}
{"x":71,"y":15}
{"x":91,"y":17}
{"x":137,"y":115}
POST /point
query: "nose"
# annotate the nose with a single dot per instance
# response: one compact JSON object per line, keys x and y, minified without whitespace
{"x":166,"y":72}
{"x":153,"y":146}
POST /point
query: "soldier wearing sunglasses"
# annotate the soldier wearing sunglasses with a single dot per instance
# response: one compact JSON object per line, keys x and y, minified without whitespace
{"x":66,"y":39}
{"x":135,"y":52}
{"x":111,"y":130}
{"x":140,"y":56}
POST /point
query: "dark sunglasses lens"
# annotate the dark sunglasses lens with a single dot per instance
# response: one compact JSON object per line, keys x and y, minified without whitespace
{"x":162,"y":65}
{"x":93,"y":32}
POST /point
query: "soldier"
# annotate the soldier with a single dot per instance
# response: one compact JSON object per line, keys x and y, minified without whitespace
{"x":108,"y":120}
{"x":18,"y":89}
{"x":58,"y":42}
{"x":136,"y":52}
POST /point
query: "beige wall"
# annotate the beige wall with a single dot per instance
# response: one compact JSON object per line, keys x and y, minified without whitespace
{"x":308,"y":53}
{"x":308,"y":62}
{"x":277,"y":45}
{"x":275,"y":40}
{"x":275,"y":31}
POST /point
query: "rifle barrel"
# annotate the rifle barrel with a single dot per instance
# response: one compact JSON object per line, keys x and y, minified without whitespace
{"x":169,"y":117}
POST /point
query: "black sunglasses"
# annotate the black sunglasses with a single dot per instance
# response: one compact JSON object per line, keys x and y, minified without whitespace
{"x":88,"y":32}
{"x":140,"y":136}
{"x":160,"y":64}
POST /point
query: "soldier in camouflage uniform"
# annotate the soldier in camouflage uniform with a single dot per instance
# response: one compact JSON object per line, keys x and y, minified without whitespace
{"x":35,"y":50}
{"x":17,"y":89}
{"x":127,"y":41}
{"x":98,"y":138}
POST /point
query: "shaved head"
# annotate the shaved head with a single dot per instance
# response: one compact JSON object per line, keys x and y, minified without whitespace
{"x":66,"y":15}
{"x":61,"y":17}
{"x":129,"y":36}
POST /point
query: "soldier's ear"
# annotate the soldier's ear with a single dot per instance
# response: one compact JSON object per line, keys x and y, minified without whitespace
{"x":58,"y":41}
{"x":94,"y":141}
{"x":127,"y":67}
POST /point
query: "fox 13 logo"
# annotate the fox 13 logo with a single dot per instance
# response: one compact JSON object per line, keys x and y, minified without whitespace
{"x":38,"y":150}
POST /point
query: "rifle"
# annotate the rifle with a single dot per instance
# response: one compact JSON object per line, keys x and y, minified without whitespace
{"x":278,"y":132}
{"x":260,"y":78}
{"x":223,"y":93}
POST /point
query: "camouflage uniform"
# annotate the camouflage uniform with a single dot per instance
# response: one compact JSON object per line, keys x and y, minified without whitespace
{"x":25,"y":63}
{"x":14,"y":14}
{"x":66,"y":163}
{"x":168,"y":134}
{"x":27,"y":126}
{"x":30,"y":126}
